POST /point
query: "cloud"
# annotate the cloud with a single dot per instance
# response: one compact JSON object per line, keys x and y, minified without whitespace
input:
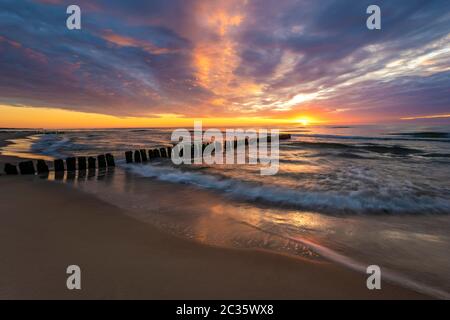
{"x":224,"y":58}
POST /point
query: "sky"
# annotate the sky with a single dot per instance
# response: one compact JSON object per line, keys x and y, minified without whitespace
{"x":166,"y":62}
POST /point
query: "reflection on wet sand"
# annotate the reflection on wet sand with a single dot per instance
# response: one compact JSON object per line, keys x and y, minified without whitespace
{"x":22,"y":148}
{"x":216,"y":219}
{"x":101,"y":174}
{"x":192,"y":213}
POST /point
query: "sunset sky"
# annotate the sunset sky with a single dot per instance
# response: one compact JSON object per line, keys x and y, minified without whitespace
{"x":166,"y":62}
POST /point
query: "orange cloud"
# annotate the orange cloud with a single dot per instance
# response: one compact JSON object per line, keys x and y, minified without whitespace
{"x":435,"y":116}
{"x":125,"y":41}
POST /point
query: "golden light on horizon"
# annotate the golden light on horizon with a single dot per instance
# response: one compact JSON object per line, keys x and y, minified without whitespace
{"x":304,"y":121}
{"x":54,"y":118}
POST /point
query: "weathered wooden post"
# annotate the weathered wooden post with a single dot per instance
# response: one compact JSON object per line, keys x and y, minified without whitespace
{"x":26,"y":167}
{"x":10,"y":169}
{"x":163,"y":152}
{"x":81,"y":163}
{"x":58,"y":165}
{"x":137,"y":156}
{"x":143,"y":155}
{"x":150,"y":154}
{"x":157,"y":153}
{"x":284,"y":136}
{"x":91,"y":163}
{"x":101,"y":161}
{"x":169,"y":152}
{"x":110,"y":160}
{"x":129,"y":156}
{"x":70,"y":175}
{"x":71,"y":164}
{"x":193,"y":151}
{"x":42,"y":167}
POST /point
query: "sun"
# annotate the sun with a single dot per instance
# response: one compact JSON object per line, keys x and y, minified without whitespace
{"x":303,"y":121}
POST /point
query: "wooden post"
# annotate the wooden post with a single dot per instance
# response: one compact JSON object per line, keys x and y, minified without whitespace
{"x":169,"y":152}
{"x":10,"y":169}
{"x":137,"y":156}
{"x":58,"y":165}
{"x":26,"y":167}
{"x":143,"y":155}
{"x":101,"y":161}
{"x":193,"y":151}
{"x":163,"y":152}
{"x":42,"y":167}
{"x":110,"y":160}
{"x":91,"y":163}
{"x":81,"y":163}
{"x":71,"y":164}
{"x":129,"y":156}
{"x":150,"y":154}
{"x":156,"y":153}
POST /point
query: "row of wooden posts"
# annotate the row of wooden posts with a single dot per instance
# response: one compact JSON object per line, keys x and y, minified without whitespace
{"x":143,"y":155}
{"x":71,"y":164}
{"x":106,"y":160}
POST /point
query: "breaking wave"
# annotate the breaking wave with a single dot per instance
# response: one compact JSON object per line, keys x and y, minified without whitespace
{"x":332,"y":202}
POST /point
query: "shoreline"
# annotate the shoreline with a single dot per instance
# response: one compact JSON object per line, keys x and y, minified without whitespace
{"x":4,"y":137}
{"x":52,"y":225}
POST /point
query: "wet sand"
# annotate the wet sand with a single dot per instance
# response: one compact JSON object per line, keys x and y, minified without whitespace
{"x":46,"y":226}
{"x":4,"y":137}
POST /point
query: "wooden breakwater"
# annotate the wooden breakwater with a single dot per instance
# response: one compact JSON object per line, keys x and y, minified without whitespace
{"x":70,"y":164}
{"x":105,"y":161}
{"x":143,"y":155}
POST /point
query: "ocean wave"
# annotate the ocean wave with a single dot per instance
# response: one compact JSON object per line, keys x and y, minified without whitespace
{"x":401,"y":137}
{"x":436,"y":155}
{"x":321,"y":201}
{"x":50,"y":145}
{"x":424,"y":134}
{"x":58,"y":146}
{"x":370,"y":147}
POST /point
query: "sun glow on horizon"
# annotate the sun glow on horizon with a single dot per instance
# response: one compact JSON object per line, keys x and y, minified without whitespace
{"x":54,"y":118}
{"x":303,"y":121}
{"x":306,"y":120}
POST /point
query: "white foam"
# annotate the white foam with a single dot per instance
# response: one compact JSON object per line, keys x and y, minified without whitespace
{"x":333,"y":202}
{"x":50,"y":145}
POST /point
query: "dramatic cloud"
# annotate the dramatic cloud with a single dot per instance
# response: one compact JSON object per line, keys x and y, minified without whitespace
{"x":226,"y":58}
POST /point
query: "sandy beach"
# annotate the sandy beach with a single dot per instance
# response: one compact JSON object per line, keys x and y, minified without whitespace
{"x":46,"y":226}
